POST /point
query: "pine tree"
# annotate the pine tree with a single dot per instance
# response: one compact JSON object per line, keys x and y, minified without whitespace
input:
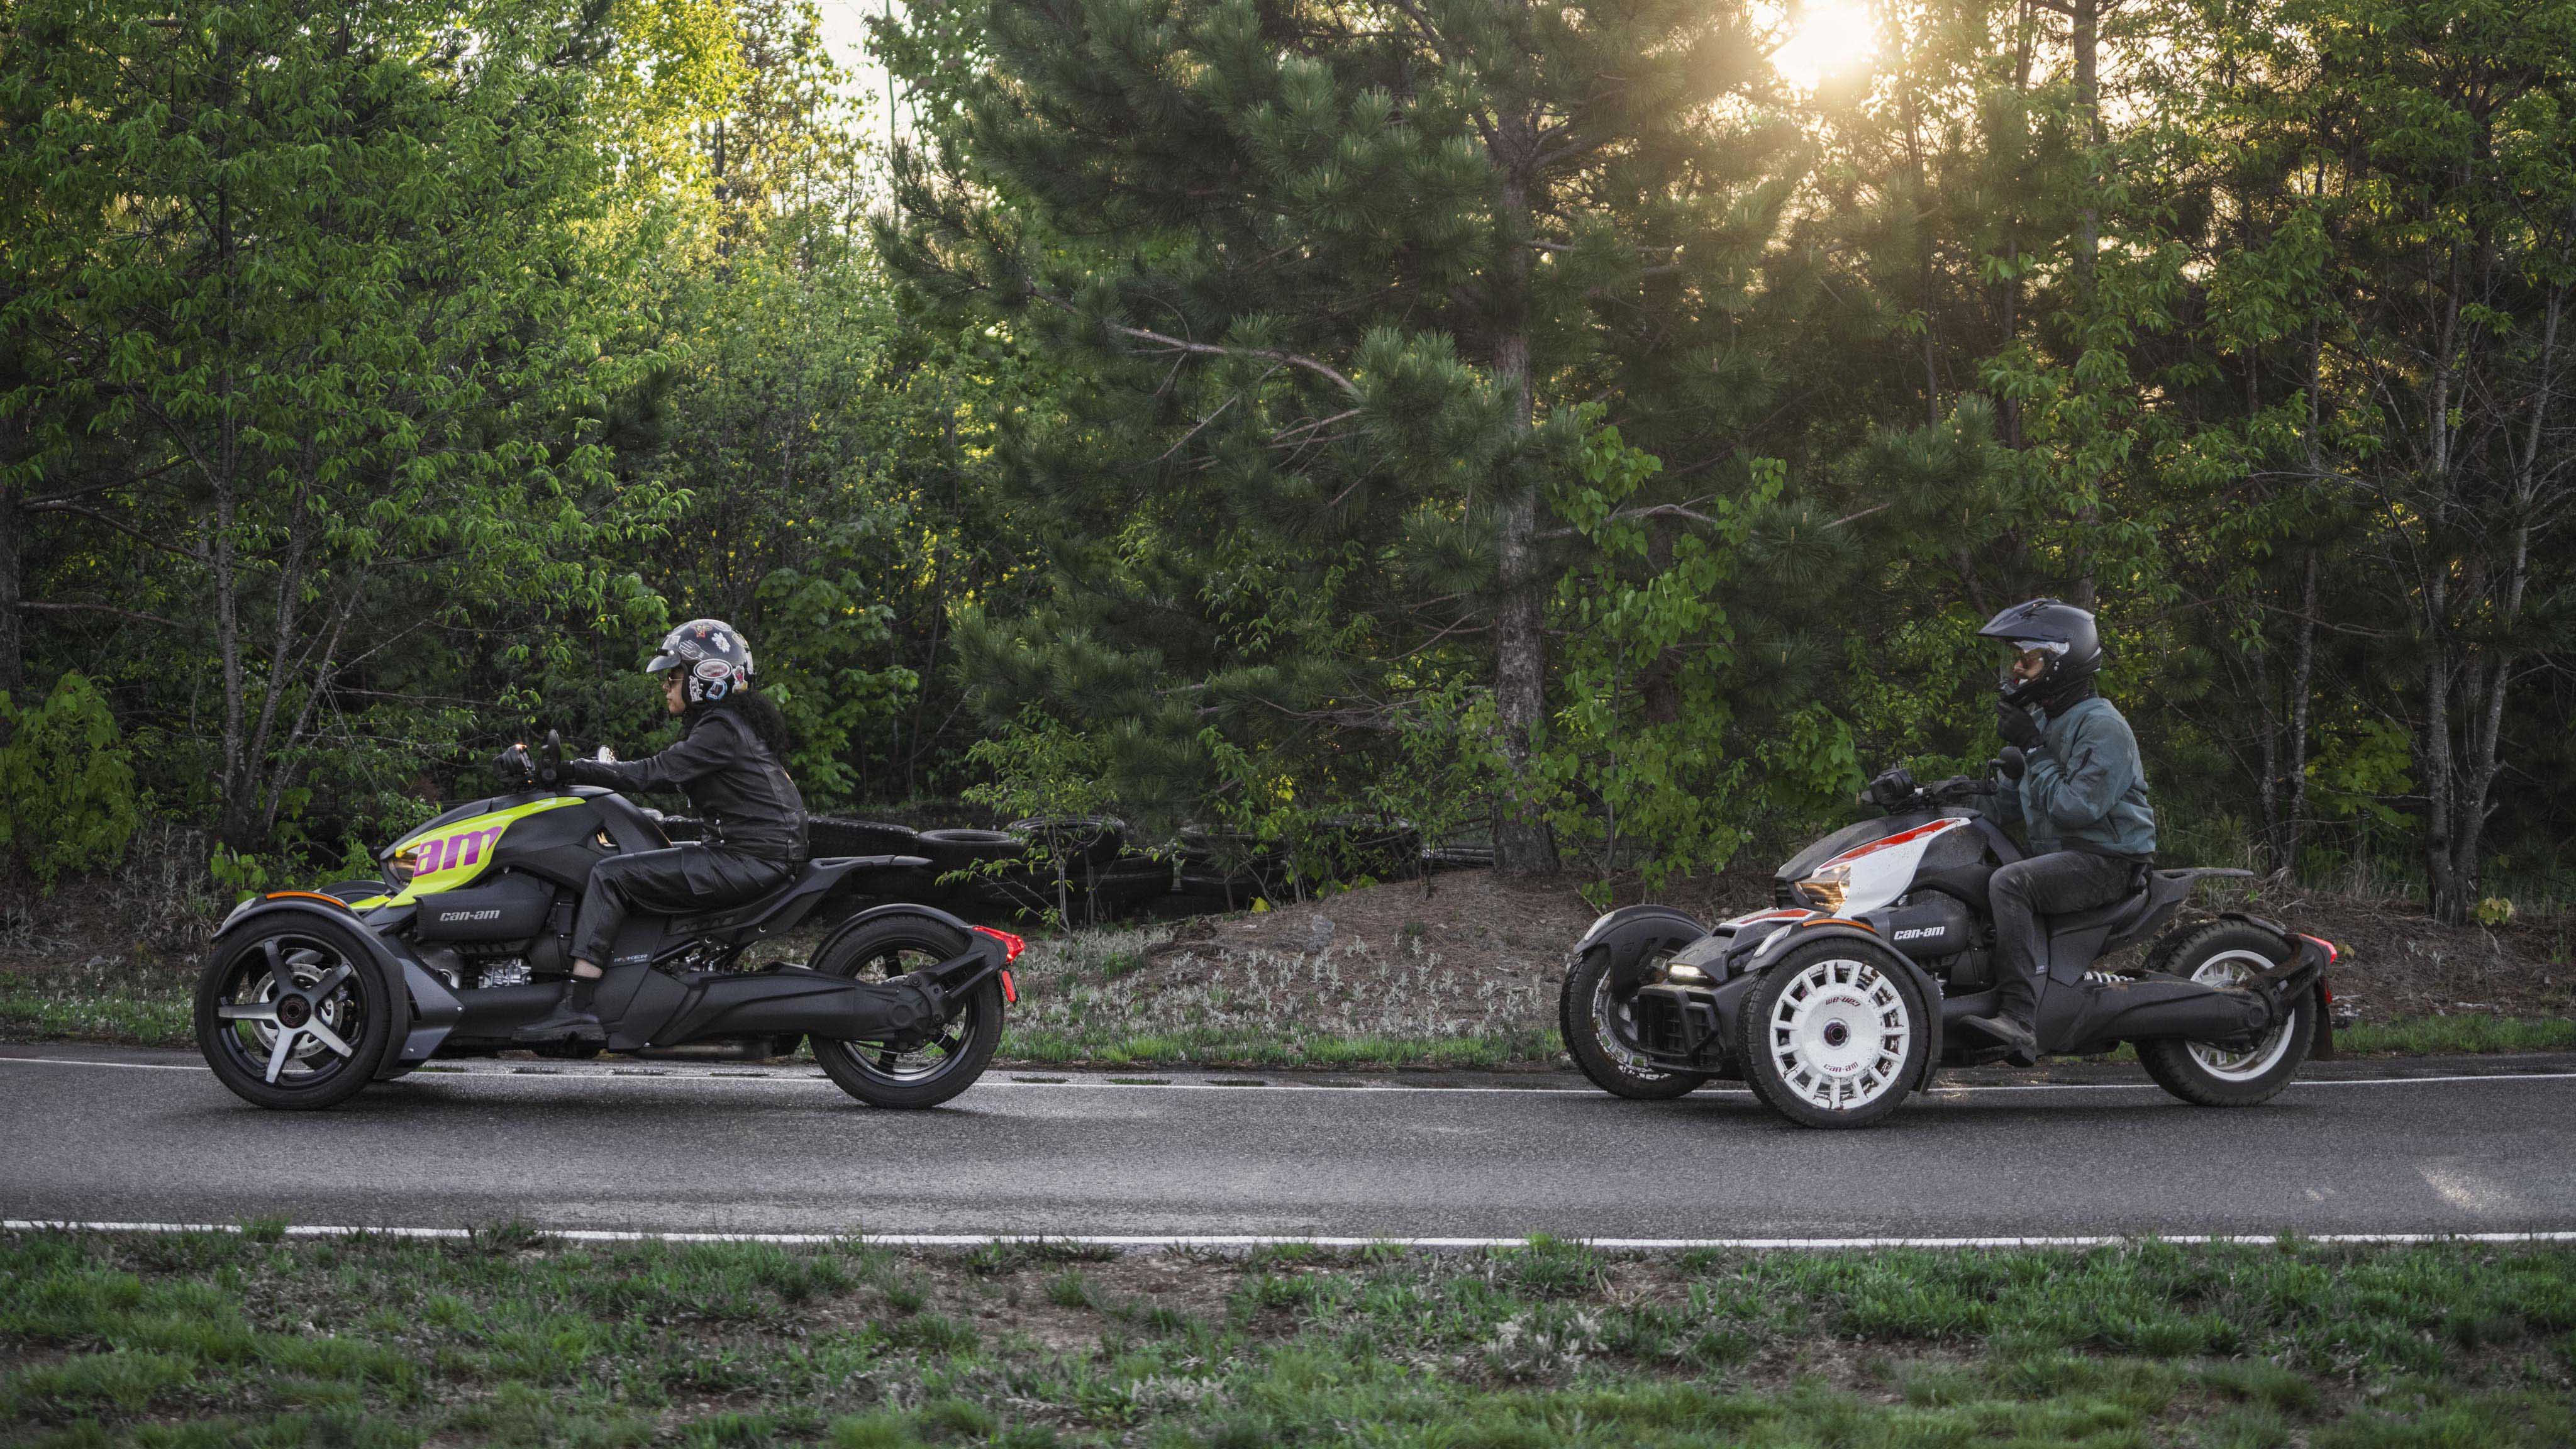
{"x":1332,"y":286}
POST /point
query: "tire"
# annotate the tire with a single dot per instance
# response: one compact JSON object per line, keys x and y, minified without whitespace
{"x":927,"y":1076}
{"x":1083,"y":840}
{"x":2208,"y":1076}
{"x":958,"y":849}
{"x":1131,"y":881}
{"x":298,"y":1058}
{"x":1586,"y":1018}
{"x":827,"y":836}
{"x":1834,"y":1035}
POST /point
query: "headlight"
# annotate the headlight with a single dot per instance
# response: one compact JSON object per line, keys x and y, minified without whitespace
{"x":409,"y":862}
{"x":1685,"y":975}
{"x":1826,"y":889}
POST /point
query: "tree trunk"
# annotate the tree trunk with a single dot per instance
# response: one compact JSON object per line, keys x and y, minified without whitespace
{"x":1522,"y":844}
{"x":2088,"y":243}
{"x":2303,"y":666}
{"x":12,"y":658}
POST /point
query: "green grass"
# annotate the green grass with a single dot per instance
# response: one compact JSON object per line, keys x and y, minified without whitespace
{"x":52,"y":1013}
{"x":223,"y":1339}
{"x":1109,"y":1045}
{"x":131,"y":1005}
{"x":2458,"y":1036}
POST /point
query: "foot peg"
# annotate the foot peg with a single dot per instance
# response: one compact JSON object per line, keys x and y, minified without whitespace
{"x":2020,"y":1046}
{"x":563,"y":1024}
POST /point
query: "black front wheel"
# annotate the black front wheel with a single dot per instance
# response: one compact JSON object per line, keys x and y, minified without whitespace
{"x":926,"y":1073}
{"x":291,"y":1014}
{"x":1598,"y":1030}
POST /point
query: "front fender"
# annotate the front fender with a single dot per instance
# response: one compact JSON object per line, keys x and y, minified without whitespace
{"x":1630,"y":934}
{"x":416,"y":997}
{"x":1924,"y":986}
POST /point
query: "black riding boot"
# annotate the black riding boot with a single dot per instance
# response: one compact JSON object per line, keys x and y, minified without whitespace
{"x":571,"y":1020}
{"x":2015,"y":1024}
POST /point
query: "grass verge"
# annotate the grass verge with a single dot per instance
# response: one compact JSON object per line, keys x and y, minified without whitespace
{"x":2427,"y":1036}
{"x":221,"y":1339}
{"x":108,"y":1000}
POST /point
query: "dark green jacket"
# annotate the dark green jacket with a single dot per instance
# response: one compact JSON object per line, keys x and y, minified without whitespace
{"x":2085,"y":787}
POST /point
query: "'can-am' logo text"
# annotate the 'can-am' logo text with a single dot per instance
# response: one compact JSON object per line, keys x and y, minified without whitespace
{"x":463,"y":848}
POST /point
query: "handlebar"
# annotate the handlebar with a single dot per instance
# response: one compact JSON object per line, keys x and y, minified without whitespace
{"x":518,"y":767}
{"x":1896,"y":791}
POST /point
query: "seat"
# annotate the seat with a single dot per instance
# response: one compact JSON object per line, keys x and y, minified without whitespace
{"x":2140,"y":911}
{"x":784,"y":907}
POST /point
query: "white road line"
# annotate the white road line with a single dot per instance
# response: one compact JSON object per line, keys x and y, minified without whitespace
{"x":1247,"y":1241}
{"x":1938,"y":1089}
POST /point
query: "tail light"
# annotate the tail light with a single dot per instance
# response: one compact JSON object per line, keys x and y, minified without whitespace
{"x":1012,"y":945}
{"x":1010,"y":990}
{"x":2328,"y":946}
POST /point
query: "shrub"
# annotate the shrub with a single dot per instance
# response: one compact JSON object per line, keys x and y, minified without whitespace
{"x":66,"y":782}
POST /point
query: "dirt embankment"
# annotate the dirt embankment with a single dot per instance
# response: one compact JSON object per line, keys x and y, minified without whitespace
{"x":2396,"y":961}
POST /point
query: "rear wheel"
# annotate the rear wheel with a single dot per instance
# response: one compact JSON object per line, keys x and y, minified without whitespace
{"x":1597,"y":1026}
{"x":292,"y":1014}
{"x":2224,"y":955}
{"x":1834,"y":1035}
{"x":927,"y":1073}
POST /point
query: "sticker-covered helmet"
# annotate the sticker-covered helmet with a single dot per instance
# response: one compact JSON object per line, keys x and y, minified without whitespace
{"x":714,"y":652}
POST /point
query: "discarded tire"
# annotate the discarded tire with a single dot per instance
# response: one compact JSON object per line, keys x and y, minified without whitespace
{"x":963,"y":849}
{"x":831,"y":835}
{"x":1081,"y":840}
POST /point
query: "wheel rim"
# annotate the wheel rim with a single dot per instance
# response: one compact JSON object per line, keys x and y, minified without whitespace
{"x":1839,"y":1034}
{"x":1610,"y":1016}
{"x":292,"y":1010}
{"x":914,"y":1066}
{"x":2235,"y":968}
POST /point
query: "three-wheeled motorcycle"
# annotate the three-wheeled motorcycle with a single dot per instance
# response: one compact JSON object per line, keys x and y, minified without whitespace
{"x":311,"y":995}
{"x":1846,"y":994}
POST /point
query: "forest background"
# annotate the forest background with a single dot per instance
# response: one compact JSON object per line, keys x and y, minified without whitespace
{"x":1568,"y":424}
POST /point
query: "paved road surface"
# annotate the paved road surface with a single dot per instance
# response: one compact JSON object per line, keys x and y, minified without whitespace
{"x":92,"y":1133}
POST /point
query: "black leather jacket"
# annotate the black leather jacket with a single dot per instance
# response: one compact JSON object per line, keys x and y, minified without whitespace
{"x":732,"y":780}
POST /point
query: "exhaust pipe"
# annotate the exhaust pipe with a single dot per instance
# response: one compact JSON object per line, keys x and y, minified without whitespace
{"x":794,"y":999}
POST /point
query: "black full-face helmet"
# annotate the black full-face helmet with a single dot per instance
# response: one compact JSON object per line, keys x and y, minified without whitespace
{"x":714,"y":652}
{"x":2064,"y":635}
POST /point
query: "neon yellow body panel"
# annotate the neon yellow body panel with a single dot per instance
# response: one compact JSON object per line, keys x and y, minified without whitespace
{"x":460,"y":848}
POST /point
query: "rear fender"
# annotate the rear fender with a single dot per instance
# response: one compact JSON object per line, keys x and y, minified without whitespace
{"x":2312,"y":950}
{"x":1925,"y":987}
{"x":1631,"y":934}
{"x":984,"y":955}
{"x":424,"y":1010}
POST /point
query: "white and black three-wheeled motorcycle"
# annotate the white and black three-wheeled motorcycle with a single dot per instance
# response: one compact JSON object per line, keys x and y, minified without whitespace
{"x":1848,"y":992}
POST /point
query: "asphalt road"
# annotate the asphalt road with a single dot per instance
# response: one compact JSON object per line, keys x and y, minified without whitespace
{"x":97,"y":1134}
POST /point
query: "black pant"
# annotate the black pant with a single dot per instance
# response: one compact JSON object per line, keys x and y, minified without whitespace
{"x":2044,"y":885}
{"x":681,"y":880}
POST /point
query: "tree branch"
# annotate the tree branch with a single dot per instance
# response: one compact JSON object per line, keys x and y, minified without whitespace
{"x":54,"y":608}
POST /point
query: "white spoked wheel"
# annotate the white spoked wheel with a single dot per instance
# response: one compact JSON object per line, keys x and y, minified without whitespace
{"x":1835,"y":1038}
{"x":2226,"y":955}
{"x":2235,"y":968}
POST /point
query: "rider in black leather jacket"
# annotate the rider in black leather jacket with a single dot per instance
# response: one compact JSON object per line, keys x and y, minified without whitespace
{"x":730,"y":764}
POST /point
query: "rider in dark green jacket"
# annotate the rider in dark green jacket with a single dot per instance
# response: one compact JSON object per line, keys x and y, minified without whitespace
{"x":2080,"y":795}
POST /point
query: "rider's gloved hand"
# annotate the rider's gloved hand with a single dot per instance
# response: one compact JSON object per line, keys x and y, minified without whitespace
{"x":514,"y":765}
{"x":2010,"y":764}
{"x":2017,"y":727}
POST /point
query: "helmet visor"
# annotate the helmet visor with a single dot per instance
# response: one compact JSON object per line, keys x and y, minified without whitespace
{"x":662,"y":662}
